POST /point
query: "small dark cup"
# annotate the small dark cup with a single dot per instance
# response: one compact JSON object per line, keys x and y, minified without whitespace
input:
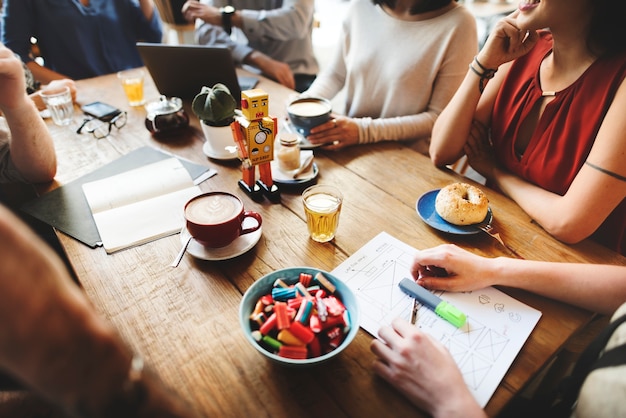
{"x":308,"y":112}
{"x":215,"y":219}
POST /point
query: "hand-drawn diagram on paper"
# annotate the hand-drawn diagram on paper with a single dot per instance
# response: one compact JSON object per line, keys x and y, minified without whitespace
{"x":484,"y":348}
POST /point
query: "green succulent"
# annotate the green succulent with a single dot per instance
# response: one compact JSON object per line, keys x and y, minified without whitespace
{"x":214,"y":106}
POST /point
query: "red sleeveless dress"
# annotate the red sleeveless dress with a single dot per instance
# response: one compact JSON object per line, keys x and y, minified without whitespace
{"x":566,"y":131}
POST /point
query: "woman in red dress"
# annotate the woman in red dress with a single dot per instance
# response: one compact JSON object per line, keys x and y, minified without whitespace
{"x":540,"y":114}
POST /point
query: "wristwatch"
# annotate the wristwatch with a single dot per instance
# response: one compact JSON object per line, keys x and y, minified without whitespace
{"x":227,"y":14}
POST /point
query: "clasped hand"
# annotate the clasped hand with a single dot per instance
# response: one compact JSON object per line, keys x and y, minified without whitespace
{"x":339,"y":132}
{"x":479,"y":151}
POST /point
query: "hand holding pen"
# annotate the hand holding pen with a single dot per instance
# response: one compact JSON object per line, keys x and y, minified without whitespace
{"x":433,"y":302}
{"x":450,"y":268}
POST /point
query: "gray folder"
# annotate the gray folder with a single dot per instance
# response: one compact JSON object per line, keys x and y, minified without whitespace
{"x":66,"y":208}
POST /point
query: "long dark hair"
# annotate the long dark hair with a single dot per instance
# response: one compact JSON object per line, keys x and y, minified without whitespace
{"x":607,"y":30}
{"x":423,"y":7}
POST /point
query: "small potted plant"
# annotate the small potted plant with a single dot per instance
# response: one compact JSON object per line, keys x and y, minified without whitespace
{"x":215,"y":107}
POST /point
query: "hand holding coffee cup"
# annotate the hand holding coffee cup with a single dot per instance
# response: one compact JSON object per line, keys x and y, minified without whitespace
{"x":308,"y":112}
{"x":216,"y":219}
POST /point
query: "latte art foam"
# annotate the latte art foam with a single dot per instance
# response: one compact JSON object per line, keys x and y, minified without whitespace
{"x":212,"y":209}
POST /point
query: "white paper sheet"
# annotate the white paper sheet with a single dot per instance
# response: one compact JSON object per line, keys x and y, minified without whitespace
{"x":484,"y":348}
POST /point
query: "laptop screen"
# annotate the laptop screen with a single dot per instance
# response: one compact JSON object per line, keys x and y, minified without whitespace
{"x":182,"y":70}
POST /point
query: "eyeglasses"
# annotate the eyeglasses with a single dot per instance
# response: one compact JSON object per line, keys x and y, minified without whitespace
{"x":101,"y":129}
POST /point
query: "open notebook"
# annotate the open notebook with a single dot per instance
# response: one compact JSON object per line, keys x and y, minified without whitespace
{"x":67,"y":210}
{"x":140,"y":205}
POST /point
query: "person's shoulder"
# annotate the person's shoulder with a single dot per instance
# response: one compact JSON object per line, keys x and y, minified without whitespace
{"x":461,"y":20}
{"x":459,"y":15}
{"x":461,"y":10}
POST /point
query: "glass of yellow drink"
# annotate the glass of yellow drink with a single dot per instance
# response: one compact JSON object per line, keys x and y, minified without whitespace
{"x":132,"y":82}
{"x":322,"y":205}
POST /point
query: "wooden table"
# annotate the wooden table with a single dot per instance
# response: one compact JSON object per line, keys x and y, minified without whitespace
{"x":184,"y":321}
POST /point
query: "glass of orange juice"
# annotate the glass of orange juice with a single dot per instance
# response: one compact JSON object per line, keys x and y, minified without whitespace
{"x":132,"y":82}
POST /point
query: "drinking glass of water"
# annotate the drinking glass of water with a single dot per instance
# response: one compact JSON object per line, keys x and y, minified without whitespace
{"x":59,"y":103}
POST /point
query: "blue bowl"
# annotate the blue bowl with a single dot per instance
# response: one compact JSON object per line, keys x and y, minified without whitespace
{"x":264,"y":286}
{"x":308,"y":112}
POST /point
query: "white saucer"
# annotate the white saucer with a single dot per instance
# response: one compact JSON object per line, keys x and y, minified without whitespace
{"x":231,"y":156}
{"x":239,"y":246}
{"x":285,"y":178}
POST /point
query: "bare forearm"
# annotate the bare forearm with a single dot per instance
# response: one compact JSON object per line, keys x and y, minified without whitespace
{"x":532,"y":199}
{"x":569,"y":218}
{"x":583,"y":285}
{"x":469,"y":104}
{"x":453,"y":124}
{"x":32,"y":148}
{"x":599,"y":288}
{"x":43,"y":74}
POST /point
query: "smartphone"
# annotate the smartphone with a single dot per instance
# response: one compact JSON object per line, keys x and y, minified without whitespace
{"x":100,"y":110}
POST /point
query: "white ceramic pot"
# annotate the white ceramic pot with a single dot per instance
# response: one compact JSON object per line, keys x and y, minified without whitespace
{"x":219,"y":142}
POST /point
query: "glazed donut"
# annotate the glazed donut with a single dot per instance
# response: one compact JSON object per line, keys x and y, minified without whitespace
{"x":462,"y":204}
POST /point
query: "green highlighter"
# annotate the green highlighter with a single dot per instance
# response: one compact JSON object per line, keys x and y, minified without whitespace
{"x":441,"y":307}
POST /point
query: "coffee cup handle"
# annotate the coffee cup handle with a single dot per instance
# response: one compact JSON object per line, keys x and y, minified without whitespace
{"x":250,"y":214}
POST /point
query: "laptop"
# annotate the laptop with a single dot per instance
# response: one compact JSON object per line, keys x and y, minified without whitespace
{"x":182,"y":70}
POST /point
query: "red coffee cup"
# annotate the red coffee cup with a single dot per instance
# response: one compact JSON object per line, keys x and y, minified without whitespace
{"x":215,"y":219}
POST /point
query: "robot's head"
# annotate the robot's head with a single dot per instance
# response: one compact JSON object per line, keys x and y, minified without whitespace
{"x":254,"y":104}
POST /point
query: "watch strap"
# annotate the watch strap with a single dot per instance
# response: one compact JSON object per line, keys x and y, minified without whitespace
{"x":227,"y":22}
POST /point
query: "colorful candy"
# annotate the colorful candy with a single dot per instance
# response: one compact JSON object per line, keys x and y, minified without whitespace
{"x":304,"y":311}
{"x":305,"y":279}
{"x":300,"y":320}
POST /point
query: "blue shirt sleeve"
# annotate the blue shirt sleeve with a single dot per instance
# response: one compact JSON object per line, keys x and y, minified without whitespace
{"x":78,"y":41}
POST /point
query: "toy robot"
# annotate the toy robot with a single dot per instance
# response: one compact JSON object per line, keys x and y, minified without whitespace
{"x":254,"y":131}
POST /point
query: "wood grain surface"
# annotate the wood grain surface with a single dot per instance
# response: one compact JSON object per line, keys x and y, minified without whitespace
{"x":184,"y":321}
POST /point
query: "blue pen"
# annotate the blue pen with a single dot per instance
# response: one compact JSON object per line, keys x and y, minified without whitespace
{"x":441,"y":307}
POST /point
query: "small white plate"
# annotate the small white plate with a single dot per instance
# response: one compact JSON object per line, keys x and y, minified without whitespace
{"x":233,"y":153}
{"x":236,"y":248}
{"x":284,"y":178}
